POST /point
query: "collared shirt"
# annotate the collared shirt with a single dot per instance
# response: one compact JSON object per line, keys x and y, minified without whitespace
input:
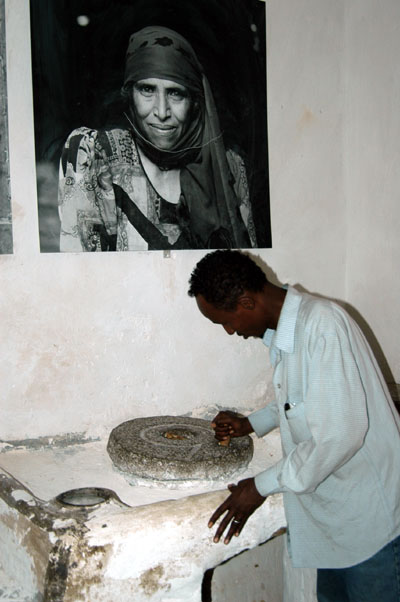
{"x":340,"y":432}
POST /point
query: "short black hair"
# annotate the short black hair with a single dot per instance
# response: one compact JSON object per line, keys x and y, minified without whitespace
{"x":222,"y":276}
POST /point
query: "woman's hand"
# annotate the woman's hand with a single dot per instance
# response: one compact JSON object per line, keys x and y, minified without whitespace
{"x":241,"y":504}
{"x":229,"y":424}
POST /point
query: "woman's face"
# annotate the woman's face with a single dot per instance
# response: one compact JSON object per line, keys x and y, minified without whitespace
{"x":162,"y":108}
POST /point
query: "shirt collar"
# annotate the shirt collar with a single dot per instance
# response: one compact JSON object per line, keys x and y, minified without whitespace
{"x":283,"y":336}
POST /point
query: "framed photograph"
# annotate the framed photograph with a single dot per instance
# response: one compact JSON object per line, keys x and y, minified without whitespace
{"x":6,"y":240}
{"x":150,"y":124}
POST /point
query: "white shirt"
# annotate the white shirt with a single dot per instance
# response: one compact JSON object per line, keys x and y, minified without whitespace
{"x":340,"y":471}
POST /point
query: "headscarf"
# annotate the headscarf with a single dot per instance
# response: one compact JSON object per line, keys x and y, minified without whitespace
{"x":213,"y":215}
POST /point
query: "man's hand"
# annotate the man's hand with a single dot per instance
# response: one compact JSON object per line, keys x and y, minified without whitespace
{"x":241,"y":504}
{"x":229,"y":424}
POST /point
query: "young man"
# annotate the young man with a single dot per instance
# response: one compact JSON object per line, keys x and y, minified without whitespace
{"x":340,"y":471}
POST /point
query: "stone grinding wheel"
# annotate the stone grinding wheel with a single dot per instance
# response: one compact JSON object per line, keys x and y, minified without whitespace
{"x":171,"y":448}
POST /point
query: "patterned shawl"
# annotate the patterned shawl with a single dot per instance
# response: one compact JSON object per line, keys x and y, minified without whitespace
{"x":206,"y":181}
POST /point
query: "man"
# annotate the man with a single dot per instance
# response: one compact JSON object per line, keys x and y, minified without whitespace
{"x":340,"y":470}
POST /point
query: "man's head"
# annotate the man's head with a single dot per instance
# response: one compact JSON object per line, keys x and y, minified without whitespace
{"x":230,"y":290}
{"x":222,"y":277}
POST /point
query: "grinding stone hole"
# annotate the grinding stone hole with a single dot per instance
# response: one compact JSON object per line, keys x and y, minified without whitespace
{"x":177,"y":434}
{"x":85,"y":496}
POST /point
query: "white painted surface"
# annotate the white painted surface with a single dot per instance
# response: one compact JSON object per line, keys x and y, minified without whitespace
{"x":178,"y":558}
{"x":91,"y":340}
{"x":372,"y":175}
{"x":149,"y":553}
{"x":51,"y":471}
{"x":24,"y":554}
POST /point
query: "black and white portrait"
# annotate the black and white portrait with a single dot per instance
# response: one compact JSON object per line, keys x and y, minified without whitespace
{"x":150,"y":124}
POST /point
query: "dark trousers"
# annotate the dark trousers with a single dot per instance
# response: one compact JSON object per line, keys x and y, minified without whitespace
{"x":374,"y":580}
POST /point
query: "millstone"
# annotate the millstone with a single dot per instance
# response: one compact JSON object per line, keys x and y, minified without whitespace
{"x":173,"y":448}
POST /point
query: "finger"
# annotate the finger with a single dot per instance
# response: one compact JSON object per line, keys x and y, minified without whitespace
{"x":221,"y":426}
{"x":224,"y":432}
{"x":221,"y":420}
{"x":221,"y":434}
{"x":239,"y":527}
{"x":222,"y":526}
{"x":217,"y":422}
{"x":219,"y":511}
{"x":235,"y":529}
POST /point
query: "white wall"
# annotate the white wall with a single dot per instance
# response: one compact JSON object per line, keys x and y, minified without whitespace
{"x":90,"y":340}
{"x":372,"y":173}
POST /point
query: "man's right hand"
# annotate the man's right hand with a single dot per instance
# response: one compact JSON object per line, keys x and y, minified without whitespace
{"x":229,"y":424}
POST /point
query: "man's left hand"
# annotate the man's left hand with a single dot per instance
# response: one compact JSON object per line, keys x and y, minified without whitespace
{"x":241,"y":504}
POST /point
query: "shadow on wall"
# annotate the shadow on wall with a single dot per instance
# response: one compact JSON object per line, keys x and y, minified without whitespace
{"x":371,"y":338}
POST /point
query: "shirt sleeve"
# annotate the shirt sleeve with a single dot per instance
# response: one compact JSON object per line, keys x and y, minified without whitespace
{"x":265,"y":420}
{"x":335,"y":418}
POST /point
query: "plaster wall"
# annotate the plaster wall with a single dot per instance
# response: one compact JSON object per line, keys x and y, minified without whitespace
{"x":90,"y":340}
{"x":371,"y":174}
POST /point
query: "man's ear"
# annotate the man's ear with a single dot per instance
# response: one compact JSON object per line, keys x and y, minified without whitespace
{"x":246,"y":302}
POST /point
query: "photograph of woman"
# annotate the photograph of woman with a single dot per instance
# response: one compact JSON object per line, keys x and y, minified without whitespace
{"x":163,"y":175}
{"x":164,"y":182}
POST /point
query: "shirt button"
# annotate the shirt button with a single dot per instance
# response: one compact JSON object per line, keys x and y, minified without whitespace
{"x":278,"y":386}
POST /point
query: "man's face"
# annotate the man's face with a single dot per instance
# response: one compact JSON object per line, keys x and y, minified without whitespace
{"x":246,"y":320}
